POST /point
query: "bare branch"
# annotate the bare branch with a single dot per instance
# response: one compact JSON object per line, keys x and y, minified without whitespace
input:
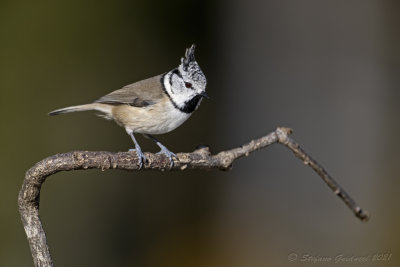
{"x":29,"y":196}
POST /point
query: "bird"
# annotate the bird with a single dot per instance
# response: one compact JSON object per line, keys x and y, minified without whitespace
{"x":153,"y":106}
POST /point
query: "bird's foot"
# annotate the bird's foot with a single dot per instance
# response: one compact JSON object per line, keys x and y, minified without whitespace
{"x":141,"y":157}
{"x":170,"y":155}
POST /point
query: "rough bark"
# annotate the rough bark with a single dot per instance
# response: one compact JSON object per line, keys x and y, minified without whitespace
{"x":29,"y":196}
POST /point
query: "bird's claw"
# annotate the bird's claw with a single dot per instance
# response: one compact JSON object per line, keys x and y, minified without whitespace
{"x":141,"y":157}
{"x":170,"y":155}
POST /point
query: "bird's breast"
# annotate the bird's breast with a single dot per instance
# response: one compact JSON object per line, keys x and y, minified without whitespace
{"x":159,"y":118}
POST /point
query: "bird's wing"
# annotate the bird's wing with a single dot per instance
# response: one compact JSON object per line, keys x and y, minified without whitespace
{"x":140,"y":94}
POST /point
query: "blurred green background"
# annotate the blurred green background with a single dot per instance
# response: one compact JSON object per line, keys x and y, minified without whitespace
{"x":328,"y":69}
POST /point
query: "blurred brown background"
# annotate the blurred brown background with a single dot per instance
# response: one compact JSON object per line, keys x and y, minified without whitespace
{"x":328,"y":69}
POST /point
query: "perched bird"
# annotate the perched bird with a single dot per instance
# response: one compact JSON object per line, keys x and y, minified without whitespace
{"x":156,"y":105}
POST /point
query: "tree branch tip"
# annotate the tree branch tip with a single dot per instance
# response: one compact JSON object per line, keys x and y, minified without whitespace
{"x":363,"y":215}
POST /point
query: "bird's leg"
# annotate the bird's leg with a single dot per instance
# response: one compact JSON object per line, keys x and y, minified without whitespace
{"x":142,"y":159}
{"x":163,"y":150}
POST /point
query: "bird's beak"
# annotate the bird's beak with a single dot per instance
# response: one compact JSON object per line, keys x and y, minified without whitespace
{"x":204,"y":94}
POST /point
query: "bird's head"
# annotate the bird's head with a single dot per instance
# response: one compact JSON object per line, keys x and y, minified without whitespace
{"x":186,"y":85}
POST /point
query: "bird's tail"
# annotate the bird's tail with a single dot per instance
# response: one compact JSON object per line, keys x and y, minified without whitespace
{"x":106,"y":109}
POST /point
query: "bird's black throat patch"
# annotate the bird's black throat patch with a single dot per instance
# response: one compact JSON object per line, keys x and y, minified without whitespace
{"x":191,"y":105}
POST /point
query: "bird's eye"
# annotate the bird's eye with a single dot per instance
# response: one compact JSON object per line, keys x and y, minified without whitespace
{"x":188,"y":85}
